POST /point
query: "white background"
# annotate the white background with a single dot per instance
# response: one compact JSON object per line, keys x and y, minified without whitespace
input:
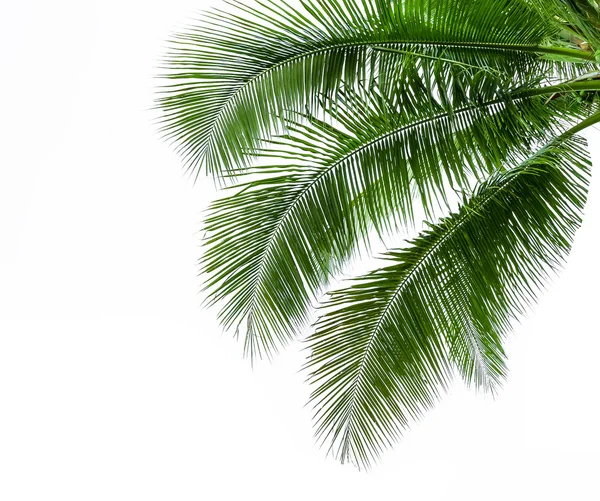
{"x":116,"y":385}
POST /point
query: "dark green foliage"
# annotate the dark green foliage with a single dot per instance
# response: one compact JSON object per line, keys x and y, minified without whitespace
{"x":236,"y":74}
{"x":274,"y":243}
{"x":384,"y":347}
{"x":340,"y":122}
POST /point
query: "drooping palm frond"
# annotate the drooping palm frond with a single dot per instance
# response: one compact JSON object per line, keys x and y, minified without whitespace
{"x":272,"y":245}
{"x":237,"y":74}
{"x":382,"y":348}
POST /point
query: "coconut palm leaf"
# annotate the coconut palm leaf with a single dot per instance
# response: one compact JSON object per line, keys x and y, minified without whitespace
{"x":383,"y":348}
{"x":274,"y":243}
{"x":235,"y":76}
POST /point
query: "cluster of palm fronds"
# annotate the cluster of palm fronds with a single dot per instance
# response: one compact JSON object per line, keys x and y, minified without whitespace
{"x":334,"y":121}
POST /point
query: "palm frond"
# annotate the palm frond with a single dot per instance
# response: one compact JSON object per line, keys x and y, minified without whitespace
{"x":274,"y":243}
{"x":383,"y":347}
{"x":234,"y":77}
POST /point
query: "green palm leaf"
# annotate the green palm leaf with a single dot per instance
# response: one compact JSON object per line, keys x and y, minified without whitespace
{"x":382,"y":350}
{"x":338,"y":121}
{"x":236,"y":75}
{"x":274,"y":243}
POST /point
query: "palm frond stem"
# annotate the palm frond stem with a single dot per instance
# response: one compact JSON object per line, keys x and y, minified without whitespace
{"x":584,"y":124}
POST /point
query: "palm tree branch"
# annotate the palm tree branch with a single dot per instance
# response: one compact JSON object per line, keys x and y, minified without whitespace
{"x":543,"y":197}
{"x":382,"y":46}
{"x":236,"y":67}
{"x":331,"y":158}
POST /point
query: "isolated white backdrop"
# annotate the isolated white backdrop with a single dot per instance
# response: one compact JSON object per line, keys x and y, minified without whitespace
{"x":116,"y":385}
